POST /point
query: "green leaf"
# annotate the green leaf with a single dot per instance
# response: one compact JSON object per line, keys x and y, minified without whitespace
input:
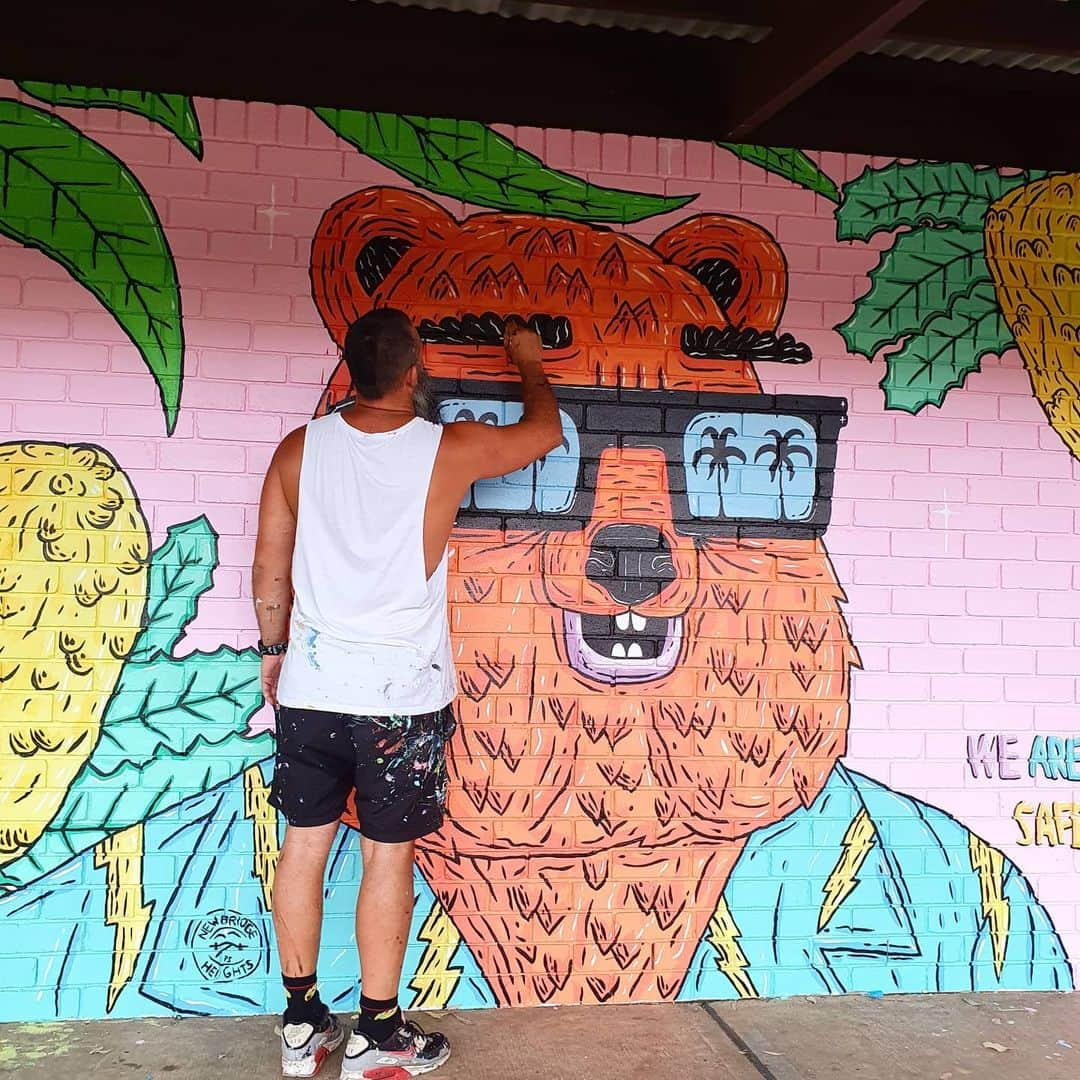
{"x":174,"y":728}
{"x":66,"y":195}
{"x":174,"y":112}
{"x":939,"y":193}
{"x":917,"y":279}
{"x":181,"y":570}
{"x":792,"y":165}
{"x":469,"y":161}
{"x":947,"y":349}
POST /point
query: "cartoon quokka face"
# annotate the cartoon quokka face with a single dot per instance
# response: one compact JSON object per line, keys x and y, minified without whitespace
{"x":649,"y":643}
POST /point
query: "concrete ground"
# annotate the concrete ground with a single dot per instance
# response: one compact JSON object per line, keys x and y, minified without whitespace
{"x":941,"y":1037}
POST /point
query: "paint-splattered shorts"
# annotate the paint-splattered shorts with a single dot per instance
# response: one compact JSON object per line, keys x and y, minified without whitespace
{"x":397,"y":765}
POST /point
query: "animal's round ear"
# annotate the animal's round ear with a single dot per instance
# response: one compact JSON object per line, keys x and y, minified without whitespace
{"x":740,"y":264}
{"x":359,"y":241}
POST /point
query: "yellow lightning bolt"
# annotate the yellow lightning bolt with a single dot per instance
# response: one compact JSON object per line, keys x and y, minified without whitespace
{"x":436,"y":978}
{"x":989,"y":864}
{"x":723,"y":935}
{"x":857,"y":842}
{"x":264,"y":830}
{"x":121,"y":856}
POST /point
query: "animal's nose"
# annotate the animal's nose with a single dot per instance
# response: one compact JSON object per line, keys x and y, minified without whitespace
{"x":631,"y":562}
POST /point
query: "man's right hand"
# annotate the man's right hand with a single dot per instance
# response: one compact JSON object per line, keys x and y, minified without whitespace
{"x":522,"y":343}
{"x":482,"y":450}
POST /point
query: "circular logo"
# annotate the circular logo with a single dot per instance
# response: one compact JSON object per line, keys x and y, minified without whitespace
{"x":227,"y":946}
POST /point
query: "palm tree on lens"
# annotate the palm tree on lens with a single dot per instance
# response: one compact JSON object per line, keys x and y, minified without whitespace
{"x":719,"y":454}
{"x":783,"y":457}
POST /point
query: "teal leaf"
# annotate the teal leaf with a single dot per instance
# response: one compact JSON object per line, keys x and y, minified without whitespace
{"x":945,"y":351}
{"x":917,"y":279}
{"x":174,"y":112}
{"x":69,"y":197}
{"x":792,"y":165}
{"x":469,"y":161}
{"x":181,"y":570}
{"x":174,"y":728}
{"x":920,"y":193}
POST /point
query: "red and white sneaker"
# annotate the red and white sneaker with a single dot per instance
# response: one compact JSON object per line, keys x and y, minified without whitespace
{"x":408,"y":1052}
{"x":304,"y":1048}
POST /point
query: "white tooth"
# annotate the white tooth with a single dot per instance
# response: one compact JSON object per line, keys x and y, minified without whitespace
{"x":635,"y":651}
{"x":622,"y":620}
{"x":619,"y":650}
{"x":638,"y":621}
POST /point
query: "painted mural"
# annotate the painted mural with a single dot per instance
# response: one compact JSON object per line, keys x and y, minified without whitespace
{"x":987,"y":260}
{"x":651,"y":797}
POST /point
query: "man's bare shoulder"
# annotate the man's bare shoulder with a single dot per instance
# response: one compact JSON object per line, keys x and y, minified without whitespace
{"x":290,"y":449}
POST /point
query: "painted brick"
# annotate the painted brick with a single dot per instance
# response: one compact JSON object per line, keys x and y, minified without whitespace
{"x":112,"y":389}
{"x":1055,"y":493}
{"x":34,"y":386}
{"x":939,"y":601}
{"x":56,"y":419}
{"x":63,"y":356}
{"x":1036,"y":463}
{"x":892,"y":459}
{"x":141,"y":421}
{"x":967,"y":688}
{"x":1059,"y":661}
{"x":1007,"y":602}
{"x":1000,"y":546}
{"x":966,"y":631}
{"x":214,"y":457}
{"x":1035,"y":576}
{"x":1041,"y":688}
{"x":1017,"y":495}
{"x":217,"y":394}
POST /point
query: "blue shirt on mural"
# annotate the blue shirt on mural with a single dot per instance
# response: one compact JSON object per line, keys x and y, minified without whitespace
{"x":866,"y":890}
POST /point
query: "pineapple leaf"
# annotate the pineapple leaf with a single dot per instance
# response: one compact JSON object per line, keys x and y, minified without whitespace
{"x":792,"y":165}
{"x":917,"y":279}
{"x":948,"y":348}
{"x":173,"y":728}
{"x":181,"y":570}
{"x":920,"y":193}
{"x":469,"y":161}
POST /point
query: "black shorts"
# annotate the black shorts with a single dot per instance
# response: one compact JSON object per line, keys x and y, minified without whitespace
{"x":397,"y":764}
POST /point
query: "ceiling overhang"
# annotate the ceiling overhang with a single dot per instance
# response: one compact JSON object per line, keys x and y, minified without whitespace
{"x":830,"y":76}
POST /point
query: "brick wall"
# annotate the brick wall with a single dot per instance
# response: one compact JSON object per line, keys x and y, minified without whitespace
{"x":759,"y":815}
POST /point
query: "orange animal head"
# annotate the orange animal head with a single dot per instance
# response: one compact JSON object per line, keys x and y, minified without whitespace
{"x":649,"y":643}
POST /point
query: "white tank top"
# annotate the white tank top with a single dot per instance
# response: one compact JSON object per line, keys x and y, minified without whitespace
{"x":369,"y":632}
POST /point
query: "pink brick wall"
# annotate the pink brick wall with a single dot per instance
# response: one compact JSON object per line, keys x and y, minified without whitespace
{"x":953,"y":531}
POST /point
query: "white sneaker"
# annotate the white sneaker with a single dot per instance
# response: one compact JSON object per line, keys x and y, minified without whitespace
{"x":408,"y":1052}
{"x":303,"y":1049}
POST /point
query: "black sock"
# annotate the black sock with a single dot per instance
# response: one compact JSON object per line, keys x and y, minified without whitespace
{"x":378,"y":1020}
{"x":302,"y":1002}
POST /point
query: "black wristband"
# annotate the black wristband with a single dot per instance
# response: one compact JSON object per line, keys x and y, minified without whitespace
{"x":272,"y":650}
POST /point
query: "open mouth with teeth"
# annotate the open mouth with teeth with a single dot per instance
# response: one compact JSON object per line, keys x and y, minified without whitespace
{"x":627,"y":647}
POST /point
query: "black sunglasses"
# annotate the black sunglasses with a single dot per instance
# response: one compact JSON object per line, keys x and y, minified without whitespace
{"x":738,"y":464}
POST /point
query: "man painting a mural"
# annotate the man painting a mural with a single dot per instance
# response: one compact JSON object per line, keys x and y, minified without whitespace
{"x":616,"y":631}
{"x":351,"y":557}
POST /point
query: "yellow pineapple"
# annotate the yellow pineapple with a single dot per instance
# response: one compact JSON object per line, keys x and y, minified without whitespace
{"x":1033,"y":251}
{"x":74,"y":549}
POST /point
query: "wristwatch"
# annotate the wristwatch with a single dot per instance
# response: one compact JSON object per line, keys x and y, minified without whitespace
{"x":272,"y":650}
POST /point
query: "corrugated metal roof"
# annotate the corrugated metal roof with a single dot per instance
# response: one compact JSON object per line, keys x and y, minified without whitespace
{"x":583,"y":15}
{"x":657,"y":22}
{"x":959,"y":54}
